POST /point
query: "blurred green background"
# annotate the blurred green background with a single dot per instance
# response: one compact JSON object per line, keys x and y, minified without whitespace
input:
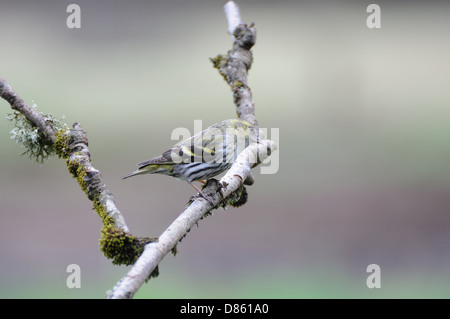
{"x":364,"y":152}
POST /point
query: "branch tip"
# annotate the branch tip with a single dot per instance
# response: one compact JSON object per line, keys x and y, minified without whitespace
{"x":233,"y":16}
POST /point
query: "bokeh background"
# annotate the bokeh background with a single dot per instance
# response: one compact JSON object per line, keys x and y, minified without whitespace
{"x":363,"y":116}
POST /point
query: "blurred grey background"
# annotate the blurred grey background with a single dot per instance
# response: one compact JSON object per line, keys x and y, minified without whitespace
{"x":364,"y":152}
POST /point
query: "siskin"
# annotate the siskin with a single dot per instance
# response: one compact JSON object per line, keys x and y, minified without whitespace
{"x":203,"y":155}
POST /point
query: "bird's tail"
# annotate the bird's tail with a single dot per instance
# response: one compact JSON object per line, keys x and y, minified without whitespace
{"x":148,"y":169}
{"x":136,"y":172}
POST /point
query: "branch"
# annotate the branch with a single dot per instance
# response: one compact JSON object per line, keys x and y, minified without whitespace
{"x":90,"y":179}
{"x":72,"y":144}
{"x":155,"y":252}
{"x":117,"y":243}
{"x":233,"y":16}
{"x":233,"y":67}
{"x":216,"y":191}
{"x":33,"y":116}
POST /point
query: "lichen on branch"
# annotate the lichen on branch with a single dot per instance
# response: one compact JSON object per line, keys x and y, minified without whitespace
{"x":31,"y":138}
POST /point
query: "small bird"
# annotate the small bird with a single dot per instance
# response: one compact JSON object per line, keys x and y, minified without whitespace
{"x":203,"y":155}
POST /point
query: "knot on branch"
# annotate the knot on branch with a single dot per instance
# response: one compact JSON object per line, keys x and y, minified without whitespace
{"x":79,"y":162}
{"x":245,"y":36}
{"x":78,"y":140}
{"x":237,"y":198}
{"x":234,"y":65}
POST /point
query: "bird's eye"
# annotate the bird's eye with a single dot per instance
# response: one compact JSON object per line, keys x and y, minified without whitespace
{"x":180,"y":152}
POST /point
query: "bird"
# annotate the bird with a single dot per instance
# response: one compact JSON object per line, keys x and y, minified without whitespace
{"x":204,"y":155}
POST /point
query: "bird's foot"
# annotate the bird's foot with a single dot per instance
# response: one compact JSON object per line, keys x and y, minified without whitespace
{"x":207,"y":192}
{"x":204,"y":196}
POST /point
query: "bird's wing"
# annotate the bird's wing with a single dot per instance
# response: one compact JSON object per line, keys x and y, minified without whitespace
{"x":198,"y":148}
{"x":203,"y":148}
{"x":164,"y":158}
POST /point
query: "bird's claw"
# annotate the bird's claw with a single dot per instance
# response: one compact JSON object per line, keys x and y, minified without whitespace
{"x":204,"y":196}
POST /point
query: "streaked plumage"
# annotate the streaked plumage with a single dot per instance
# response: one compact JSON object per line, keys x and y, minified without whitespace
{"x":204,"y":155}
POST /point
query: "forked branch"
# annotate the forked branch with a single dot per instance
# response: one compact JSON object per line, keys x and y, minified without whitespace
{"x":117,"y":243}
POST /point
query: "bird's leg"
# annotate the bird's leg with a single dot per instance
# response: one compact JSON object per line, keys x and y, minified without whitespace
{"x":196,"y":188}
{"x":208,"y":198}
